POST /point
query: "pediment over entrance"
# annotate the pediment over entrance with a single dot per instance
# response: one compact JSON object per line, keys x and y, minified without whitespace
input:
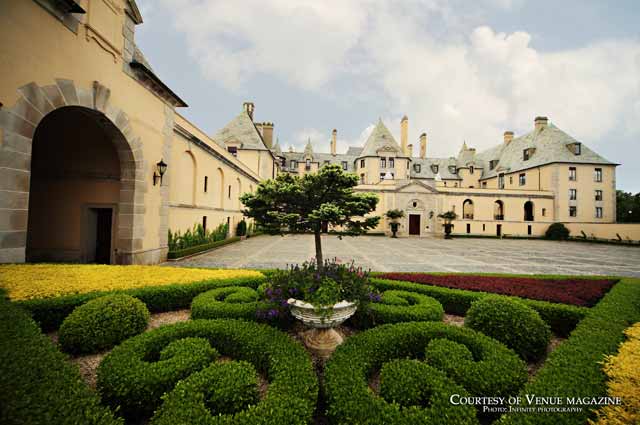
{"x":416,"y":187}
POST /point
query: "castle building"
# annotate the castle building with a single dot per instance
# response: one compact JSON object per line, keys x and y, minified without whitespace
{"x":97,"y":164}
{"x":519,"y":187}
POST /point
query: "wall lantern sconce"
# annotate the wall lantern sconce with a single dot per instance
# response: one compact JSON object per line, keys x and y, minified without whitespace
{"x":161,"y":168}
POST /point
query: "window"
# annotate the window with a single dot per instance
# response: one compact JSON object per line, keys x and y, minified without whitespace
{"x":573,"y":194}
{"x":229,"y":194}
{"x":362,"y":178}
{"x":493,"y":163}
{"x":283,"y":162}
{"x":435,"y":169}
{"x":293,"y":165}
{"x":598,"y":212}
{"x":544,"y":212}
{"x":572,"y":174}
{"x":383,"y":162}
{"x":510,"y":180}
{"x":573,"y":211}
{"x":522,"y":179}
{"x":362,"y":163}
{"x":417,"y":168}
{"x":471,"y":170}
{"x":344,"y":165}
{"x":452,"y":169}
{"x":597,"y":175}
{"x":204,"y":223}
{"x":384,"y":175}
{"x":598,"y":195}
{"x":233,"y":150}
{"x":391,"y":163}
{"x":206,"y":182}
{"x":577,"y":148}
{"x":525,"y":154}
{"x":307,"y":164}
{"x":484,"y":185}
{"x":501,"y":181}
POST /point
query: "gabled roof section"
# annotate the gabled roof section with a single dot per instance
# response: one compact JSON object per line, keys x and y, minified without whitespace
{"x":551,"y":146}
{"x":241,"y":129}
{"x":380,"y":139}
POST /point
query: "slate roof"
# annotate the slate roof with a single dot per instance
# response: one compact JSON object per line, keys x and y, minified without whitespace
{"x":550,"y":145}
{"x":241,"y":129}
{"x":426,"y":172}
{"x":380,"y":138}
{"x":322,"y":158}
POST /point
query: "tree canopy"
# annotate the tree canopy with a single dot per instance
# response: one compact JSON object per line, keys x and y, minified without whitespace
{"x":628,"y":207}
{"x":303,"y":204}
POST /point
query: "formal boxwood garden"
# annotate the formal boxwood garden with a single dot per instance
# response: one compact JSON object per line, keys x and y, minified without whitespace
{"x":236,"y":361}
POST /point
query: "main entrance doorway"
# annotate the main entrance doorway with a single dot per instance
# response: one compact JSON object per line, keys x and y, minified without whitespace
{"x":99,"y":235}
{"x":414,"y":224}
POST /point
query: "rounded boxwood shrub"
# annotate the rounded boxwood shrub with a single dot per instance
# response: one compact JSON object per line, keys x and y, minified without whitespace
{"x":557,"y":231}
{"x":135,"y":375}
{"x":494,"y":371}
{"x":511,"y":322}
{"x":234,"y":302}
{"x":102,"y":323}
{"x":404,"y":306}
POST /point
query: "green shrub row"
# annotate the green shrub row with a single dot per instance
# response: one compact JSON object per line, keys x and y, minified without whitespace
{"x":234,"y":302}
{"x":196,"y":236}
{"x":511,"y":322}
{"x":37,"y":384}
{"x":102,"y":323}
{"x":574,"y":369}
{"x":179,"y":253}
{"x":50,"y":312}
{"x":561,"y":318}
{"x":135,"y":375}
{"x":490,"y":370}
{"x":401,"y":306}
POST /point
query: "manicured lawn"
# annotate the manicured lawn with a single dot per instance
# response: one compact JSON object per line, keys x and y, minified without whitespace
{"x":575,"y":291}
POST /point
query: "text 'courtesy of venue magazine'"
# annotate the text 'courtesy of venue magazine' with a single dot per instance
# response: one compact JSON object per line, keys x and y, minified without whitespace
{"x":533,"y":403}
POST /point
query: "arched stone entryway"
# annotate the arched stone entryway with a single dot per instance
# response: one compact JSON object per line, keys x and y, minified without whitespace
{"x":51,"y":106}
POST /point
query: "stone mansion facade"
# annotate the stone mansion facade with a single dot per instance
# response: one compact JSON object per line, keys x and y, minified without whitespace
{"x":97,"y":164}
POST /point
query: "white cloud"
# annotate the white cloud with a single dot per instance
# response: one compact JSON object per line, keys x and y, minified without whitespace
{"x":460,"y":83}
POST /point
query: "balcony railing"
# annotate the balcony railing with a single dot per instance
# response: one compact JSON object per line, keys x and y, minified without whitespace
{"x":498,"y":217}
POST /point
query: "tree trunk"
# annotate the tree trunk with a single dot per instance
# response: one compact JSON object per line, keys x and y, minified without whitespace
{"x":319,"y":259}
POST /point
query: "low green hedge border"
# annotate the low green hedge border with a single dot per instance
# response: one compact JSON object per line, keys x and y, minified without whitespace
{"x":102,"y":323}
{"x":38,"y":385}
{"x":50,"y":312}
{"x":574,"y":369}
{"x":226,"y":303}
{"x":173,"y":255}
{"x":130,"y":378}
{"x":401,"y":306}
{"x":561,"y":318}
{"x":494,"y":370}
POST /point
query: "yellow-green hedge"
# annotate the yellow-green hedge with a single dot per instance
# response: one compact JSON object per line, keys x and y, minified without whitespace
{"x":33,"y":281}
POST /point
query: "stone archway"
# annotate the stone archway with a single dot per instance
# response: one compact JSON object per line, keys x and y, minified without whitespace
{"x":18,"y":126}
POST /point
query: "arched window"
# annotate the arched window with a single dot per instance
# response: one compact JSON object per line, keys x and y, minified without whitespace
{"x":528,"y":211}
{"x":498,"y":210}
{"x":221,"y":187}
{"x":186,"y":194}
{"x":467,"y":209}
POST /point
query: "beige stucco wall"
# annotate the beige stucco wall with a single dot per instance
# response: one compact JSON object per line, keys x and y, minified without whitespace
{"x":627,"y":231}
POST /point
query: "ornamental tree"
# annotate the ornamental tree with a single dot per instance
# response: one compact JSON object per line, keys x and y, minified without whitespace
{"x":303,"y":204}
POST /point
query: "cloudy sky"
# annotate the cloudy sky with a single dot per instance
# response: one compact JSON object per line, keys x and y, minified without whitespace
{"x":460,"y":70}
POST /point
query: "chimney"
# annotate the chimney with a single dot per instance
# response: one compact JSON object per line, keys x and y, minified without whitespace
{"x":423,"y":145}
{"x":508,"y":137}
{"x":334,"y":136}
{"x":404,"y":134}
{"x":540,"y":123}
{"x":248,"y":108}
{"x":409,"y":151}
{"x":267,"y":134}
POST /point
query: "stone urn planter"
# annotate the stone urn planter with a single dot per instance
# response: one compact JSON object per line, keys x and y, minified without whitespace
{"x":322,"y":338}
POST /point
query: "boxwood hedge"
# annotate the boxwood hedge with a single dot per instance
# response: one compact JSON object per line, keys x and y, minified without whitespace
{"x":179,"y":253}
{"x":494,"y":371}
{"x":37,"y":384}
{"x":574,"y":369}
{"x":561,"y":318}
{"x":134,"y":375}
{"x":103,"y":323}
{"x":50,"y":312}
{"x":402,"y":306}
{"x":233,"y":302}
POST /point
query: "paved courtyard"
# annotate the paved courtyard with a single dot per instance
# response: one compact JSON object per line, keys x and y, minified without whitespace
{"x":429,"y":254}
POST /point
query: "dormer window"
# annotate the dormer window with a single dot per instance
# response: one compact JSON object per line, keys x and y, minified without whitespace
{"x":344,"y":165}
{"x":293,"y":165}
{"x":233,"y":150}
{"x":283,"y":162}
{"x":307,"y":164}
{"x":575,"y":148}
{"x":452,"y":169}
{"x":383,"y":162}
{"x":528,"y":153}
{"x":417,"y":168}
{"x":391,"y":163}
{"x":471,"y":169}
{"x":493,"y":163}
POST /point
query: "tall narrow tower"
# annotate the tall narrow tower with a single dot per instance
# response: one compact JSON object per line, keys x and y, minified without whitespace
{"x":334,"y":136}
{"x":404,"y":135}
